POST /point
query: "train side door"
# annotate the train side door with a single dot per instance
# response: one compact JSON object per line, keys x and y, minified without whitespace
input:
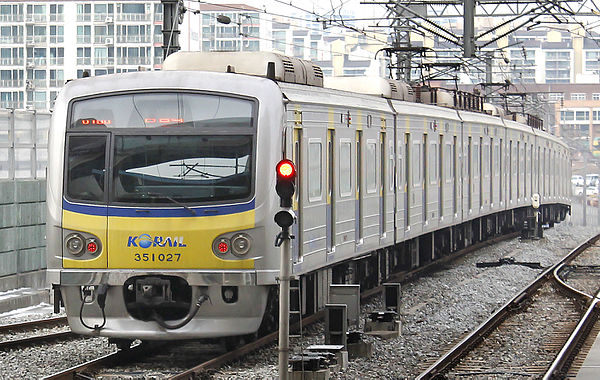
{"x":298,"y":228}
{"x":331,"y":194}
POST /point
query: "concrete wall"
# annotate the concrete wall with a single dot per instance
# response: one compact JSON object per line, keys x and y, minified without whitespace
{"x":22,"y":233}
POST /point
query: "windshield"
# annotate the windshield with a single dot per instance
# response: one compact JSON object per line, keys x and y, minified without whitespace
{"x":162,"y":109}
{"x":190,"y":169}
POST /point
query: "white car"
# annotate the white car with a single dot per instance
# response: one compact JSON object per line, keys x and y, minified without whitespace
{"x":577,"y":180}
{"x":591,"y":190}
{"x":592,"y":179}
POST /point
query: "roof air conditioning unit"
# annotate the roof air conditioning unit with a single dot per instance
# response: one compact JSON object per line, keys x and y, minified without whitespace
{"x":109,"y":41}
{"x":108,"y":19}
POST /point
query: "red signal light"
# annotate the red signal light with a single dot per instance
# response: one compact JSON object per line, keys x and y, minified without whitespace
{"x":223,"y":247}
{"x":286,"y":169}
{"x":92,"y":247}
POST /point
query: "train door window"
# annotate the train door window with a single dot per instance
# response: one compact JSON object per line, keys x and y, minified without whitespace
{"x":407,"y":177}
{"x":544,"y":172}
{"x":515,"y":171}
{"x":538,"y":170}
{"x":510,"y":171}
{"x":521,"y":172}
{"x":360,"y":178}
{"x":525,"y":172}
{"x":371,"y":165}
{"x":441,"y":176}
{"x":470,"y":172}
{"x":86,"y":168}
{"x":297,"y":158}
{"x":315,"y":170}
{"x":416,"y":160}
{"x":492,"y":152}
{"x":345,"y":168}
{"x":480,"y":167}
{"x":331,"y":195}
{"x":433,"y":163}
{"x":501,"y":171}
{"x":518,"y":169}
{"x":391,"y":168}
{"x":382,"y":184}
{"x":425,"y":187}
{"x":455,"y":175}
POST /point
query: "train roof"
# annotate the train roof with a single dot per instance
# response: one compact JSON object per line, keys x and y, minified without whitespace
{"x":263,"y":64}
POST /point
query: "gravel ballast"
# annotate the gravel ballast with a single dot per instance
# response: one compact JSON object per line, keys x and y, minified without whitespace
{"x":437,"y":310}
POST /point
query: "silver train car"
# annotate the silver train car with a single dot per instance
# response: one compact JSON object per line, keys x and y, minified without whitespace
{"x":161,"y":189}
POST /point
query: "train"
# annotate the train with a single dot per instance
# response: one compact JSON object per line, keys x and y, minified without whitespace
{"x":161,"y":189}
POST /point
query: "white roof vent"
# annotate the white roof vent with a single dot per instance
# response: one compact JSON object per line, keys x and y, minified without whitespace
{"x":386,"y":88}
{"x":286,"y":69}
{"x":493,"y":110}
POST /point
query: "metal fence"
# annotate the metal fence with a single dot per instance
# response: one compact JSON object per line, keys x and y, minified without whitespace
{"x":23,"y":143}
{"x":23,"y":161}
{"x":22,"y":233}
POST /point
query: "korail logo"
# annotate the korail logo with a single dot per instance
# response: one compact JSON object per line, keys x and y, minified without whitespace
{"x":147,"y":241}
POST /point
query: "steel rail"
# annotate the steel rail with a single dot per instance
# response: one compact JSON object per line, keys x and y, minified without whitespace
{"x":564,"y":357}
{"x":30,"y":324}
{"x":470,"y":341}
{"x":106,"y":360}
{"x":35,"y":339}
{"x":218,"y":361}
{"x":271,"y":338}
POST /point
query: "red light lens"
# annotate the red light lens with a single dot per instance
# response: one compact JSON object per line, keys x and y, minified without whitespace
{"x":92,"y":247}
{"x":223,"y":247}
{"x":286,"y":169}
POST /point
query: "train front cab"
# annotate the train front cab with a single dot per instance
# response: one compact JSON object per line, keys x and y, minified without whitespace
{"x":159,"y":233}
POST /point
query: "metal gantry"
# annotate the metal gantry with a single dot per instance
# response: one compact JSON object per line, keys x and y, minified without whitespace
{"x":423,"y":17}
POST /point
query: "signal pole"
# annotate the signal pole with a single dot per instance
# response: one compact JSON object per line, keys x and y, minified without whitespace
{"x":285,"y":187}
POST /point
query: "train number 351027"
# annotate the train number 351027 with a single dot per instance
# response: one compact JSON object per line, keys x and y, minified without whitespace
{"x":173,"y":257}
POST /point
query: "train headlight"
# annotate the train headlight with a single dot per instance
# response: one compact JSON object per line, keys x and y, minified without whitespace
{"x":75,"y":244}
{"x":221,"y":246}
{"x":241,"y":244}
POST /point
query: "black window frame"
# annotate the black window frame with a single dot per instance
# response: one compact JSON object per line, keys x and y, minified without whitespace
{"x":111,"y":134}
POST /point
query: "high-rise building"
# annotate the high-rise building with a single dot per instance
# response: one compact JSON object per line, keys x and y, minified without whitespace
{"x":45,"y":43}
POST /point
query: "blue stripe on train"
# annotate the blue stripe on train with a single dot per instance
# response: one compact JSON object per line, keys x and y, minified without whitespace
{"x":145,"y":212}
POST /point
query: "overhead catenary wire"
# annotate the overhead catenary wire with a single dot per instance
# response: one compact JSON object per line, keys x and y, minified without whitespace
{"x":349,"y":54}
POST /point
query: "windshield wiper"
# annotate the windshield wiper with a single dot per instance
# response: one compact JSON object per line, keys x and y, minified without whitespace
{"x":173,"y":200}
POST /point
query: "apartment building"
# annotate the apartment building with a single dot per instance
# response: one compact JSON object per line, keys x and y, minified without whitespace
{"x":45,"y":43}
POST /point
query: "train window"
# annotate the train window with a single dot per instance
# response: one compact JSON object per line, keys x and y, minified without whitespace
{"x":182,"y":168}
{"x":433,"y":163}
{"x":470,"y":173}
{"x":371,"y":156}
{"x":314,"y":170}
{"x":162,"y":109}
{"x":391,"y":167}
{"x":86,"y":167}
{"x":345,"y":168}
{"x":416,"y":160}
{"x":448,"y":162}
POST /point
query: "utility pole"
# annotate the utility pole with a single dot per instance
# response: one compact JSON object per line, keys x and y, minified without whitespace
{"x":469,"y":29}
{"x":173,"y":11}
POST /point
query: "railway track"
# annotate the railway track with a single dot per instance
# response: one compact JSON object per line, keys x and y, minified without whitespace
{"x":20,"y":334}
{"x":30,"y":325}
{"x":541,"y":318}
{"x":116,"y":364}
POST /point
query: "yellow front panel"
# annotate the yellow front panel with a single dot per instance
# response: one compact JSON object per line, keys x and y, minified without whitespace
{"x":172,"y":242}
{"x":93,"y":224}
